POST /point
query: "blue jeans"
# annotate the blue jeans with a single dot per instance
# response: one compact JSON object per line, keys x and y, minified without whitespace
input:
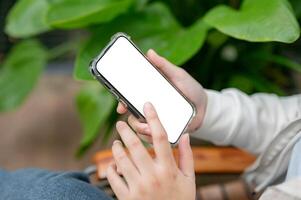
{"x":37,"y":184}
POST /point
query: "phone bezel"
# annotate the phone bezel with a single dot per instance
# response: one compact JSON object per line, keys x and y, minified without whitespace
{"x":119,"y":96}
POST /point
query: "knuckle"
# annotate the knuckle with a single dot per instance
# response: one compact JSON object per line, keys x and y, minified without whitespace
{"x":162,"y":172}
{"x":155,"y":182}
{"x":146,"y":138}
{"x":167,"y":173}
{"x":161,"y":137}
{"x":172,"y":174}
{"x":140,"y":190}
{"x":141,"y":129}
{"x":134,"y":143}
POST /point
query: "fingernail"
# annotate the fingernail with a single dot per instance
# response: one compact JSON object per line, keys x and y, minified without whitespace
{"x":147,"y":109}
{"x":119,"y":124}
{"x":154,"y":52}
{"x":117,"y":142}
{"x":148,"y":106}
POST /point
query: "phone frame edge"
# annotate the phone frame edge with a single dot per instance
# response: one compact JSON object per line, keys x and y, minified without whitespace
{"x":132,"y":109}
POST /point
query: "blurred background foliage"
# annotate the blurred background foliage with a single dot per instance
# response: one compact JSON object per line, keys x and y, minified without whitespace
{"x":251,"y":45}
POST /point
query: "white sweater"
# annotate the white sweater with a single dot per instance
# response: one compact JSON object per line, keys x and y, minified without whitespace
{"x":263,"y":124}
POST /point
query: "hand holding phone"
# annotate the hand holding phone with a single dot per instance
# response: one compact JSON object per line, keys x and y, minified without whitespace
{"x":184,"y":82}
{"x":128,"y":75}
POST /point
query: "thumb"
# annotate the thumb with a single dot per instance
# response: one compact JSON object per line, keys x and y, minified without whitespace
{"x":186,"y":163}
{"x":163,"y":64}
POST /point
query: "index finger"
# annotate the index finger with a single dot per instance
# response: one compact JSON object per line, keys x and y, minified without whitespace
{"x":160,"y":140}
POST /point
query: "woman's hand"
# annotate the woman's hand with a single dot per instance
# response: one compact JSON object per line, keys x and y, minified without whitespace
{"x":151,"y":178}
{"x":185,"y":83}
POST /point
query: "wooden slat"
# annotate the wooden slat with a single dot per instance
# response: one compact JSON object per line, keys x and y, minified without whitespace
{"x":206,"y":160}
{"x":221,"y":160}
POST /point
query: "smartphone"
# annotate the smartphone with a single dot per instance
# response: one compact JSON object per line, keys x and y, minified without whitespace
{"x":123,"y":69}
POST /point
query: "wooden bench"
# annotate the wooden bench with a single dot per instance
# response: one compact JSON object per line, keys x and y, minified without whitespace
{"x":206,"y":160}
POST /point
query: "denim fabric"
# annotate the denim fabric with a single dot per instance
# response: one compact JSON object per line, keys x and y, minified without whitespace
{"x":294,"y":169}
{"x":37,"y":184}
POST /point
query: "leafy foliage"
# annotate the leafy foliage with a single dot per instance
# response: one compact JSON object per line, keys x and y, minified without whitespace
{"x":20,"y":72}
{"x":216,"y":45}
{"x":94,"y":105}
{"x":155,"y":27}
{"x":80,"y":13}
{"x":257,"y":21}
{"x":27,"y":18}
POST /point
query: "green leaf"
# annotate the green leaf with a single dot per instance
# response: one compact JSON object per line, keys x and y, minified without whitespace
{"x":94,"y":105}
{"x":81,"y":13}
{"x":27,"y":18}
{"x":153,"y":27}
{"x":20,"y":73}
{"x":257,"y":21}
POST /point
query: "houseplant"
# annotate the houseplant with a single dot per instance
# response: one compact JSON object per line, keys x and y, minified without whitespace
{"x":233,"y":43}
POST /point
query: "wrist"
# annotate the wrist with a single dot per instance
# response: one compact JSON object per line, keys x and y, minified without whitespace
{"x":201,"y":108}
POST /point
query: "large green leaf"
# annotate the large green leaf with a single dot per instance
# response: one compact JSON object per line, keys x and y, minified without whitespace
{"x":94,"y":105}
{"x":27,"y":18}
{"x":153,"y":27}
{"x":20,"y":73}
{"x":80,"y":13}
{"x":257,"y":20}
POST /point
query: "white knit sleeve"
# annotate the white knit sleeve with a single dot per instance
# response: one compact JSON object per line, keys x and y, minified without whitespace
{"x":248,"y":122}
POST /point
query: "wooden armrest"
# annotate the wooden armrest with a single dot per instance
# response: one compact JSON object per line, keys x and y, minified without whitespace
{"x":206,"y":160}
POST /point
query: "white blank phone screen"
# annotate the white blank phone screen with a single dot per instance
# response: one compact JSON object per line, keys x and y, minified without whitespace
{"x":139,"y":82}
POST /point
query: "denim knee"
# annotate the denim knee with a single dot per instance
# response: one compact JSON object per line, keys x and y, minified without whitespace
{"x":36,"y":184}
